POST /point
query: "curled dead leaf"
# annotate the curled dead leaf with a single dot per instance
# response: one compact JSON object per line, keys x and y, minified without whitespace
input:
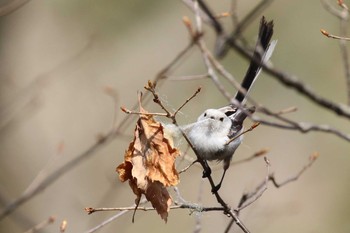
{"x":149,"y":164}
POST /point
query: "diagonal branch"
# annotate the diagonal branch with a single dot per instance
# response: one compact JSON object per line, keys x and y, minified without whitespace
{"x":12,"y":6}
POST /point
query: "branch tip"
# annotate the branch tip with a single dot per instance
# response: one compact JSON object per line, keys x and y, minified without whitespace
{"x":324,"y":32}
{"x":262,"y":152}
{"x":124,"y":109}
{"x":51,"y":219}
{"x":256,"y":124}
{"x":187,"y":21}
{"x":342,"y":4}
{"x":314,"y":156}
{"x":223,"y":15}
{"x":267,"y":161}
{"x":63,"y":226}
{"x":89,"y":210}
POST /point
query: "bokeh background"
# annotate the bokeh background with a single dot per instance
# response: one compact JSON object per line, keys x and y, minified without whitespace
{"x":58,"y":58}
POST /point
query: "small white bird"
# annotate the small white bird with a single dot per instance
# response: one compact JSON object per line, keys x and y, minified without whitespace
{"x":211,"y":133}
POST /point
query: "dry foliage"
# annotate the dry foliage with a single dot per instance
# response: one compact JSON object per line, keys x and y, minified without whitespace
{"x":149,"y":163}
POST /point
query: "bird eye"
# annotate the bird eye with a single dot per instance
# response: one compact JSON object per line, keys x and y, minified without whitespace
{"x":221,"y":119}
{"x":205,"y":114}
{"x":229,"y":113}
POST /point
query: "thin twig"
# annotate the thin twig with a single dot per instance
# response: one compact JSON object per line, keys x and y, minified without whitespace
{"x":188,"y":166}
{"x":327,"y":34}
{"x":244,"y":23}
{"x":331,"y":9}
{"x":44,"y":171}
{"x":253,"y":156}
{"x":63,"y":226}
{"x":109,"y":220}
{"x":205,"y":18}
{"x":204,"y":50}
{"x":179,"y":197}
{"x":164,"y":72}
{"x":246,"y":197}
{"x":127,"y":111}
{"x":91,"y":210}
{"x":111,"y":92}
{"x":188,"y":100}
{"x":303,"y":127}
{"x":151,"y":88}
{"x":249,"y":198}
{"x":234,"y":12}
{"x":188,"y":77}
{"x":343,"y":5}
{"x":343,"y":16}
{"x":198,"y":225}
{"x":344,"y":50}
{"x":12,"y":6}
{"x":261,"y":190}
{"x":41,"y":225}
{"x":312,"y":159}
{"x":287,"y":110}
{"x":256,"y":124}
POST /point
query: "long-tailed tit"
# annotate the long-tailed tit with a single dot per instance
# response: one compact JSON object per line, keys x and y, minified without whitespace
{"x":211,"y":133}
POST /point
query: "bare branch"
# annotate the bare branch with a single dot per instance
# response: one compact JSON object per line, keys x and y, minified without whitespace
{"x":327,"y":34}
{"x":253,"y":14}
{"x":12,"y":6}
{"x":343,"y":5}
{"x":331,"y":9}
{"x":188,"y":100}
{"x":303,"y":127}
{"x":63,"y":226}
{"x":249,"y":198}
{"x":197,"y":208}
{"x":188,"y":166}
{"x":260,"y":190}
{"x":127,"y":111}
{"x":57,"y":174}
{"x":312,"y":159}
{"x":256,"y":124}
{"x":109,"y":220}
{"x":343,"y":16}
{"x":188,"y":77}
{"x":41,"y":225}
{"x":253,"y":156}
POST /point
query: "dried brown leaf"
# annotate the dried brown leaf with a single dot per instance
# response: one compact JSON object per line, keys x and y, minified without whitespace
{"x":158,"y":195}
{"x":149,"y":164}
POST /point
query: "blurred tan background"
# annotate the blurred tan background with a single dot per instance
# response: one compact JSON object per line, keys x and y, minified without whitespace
{"x":57,"y":57}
